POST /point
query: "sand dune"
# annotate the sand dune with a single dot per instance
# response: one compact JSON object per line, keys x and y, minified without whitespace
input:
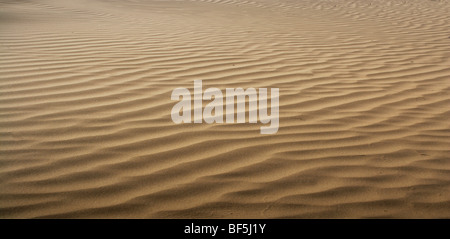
{"x":86,"y":132}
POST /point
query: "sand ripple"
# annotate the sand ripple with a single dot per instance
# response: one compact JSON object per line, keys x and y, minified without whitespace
{"x":85,"y":128}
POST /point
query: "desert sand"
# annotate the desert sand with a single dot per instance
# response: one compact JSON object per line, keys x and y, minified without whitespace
{"x":85,"y":102}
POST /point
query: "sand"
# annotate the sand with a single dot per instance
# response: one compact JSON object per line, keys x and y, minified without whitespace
{"x":86,"y":131}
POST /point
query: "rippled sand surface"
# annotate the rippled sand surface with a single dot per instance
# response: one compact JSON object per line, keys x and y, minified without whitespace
{"x":86,"y":132}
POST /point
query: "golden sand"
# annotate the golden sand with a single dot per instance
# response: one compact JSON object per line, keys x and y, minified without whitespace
{"x":85,"y":127}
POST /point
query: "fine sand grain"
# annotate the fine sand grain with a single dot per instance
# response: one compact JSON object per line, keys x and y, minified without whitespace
{"x":86,"y":132}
